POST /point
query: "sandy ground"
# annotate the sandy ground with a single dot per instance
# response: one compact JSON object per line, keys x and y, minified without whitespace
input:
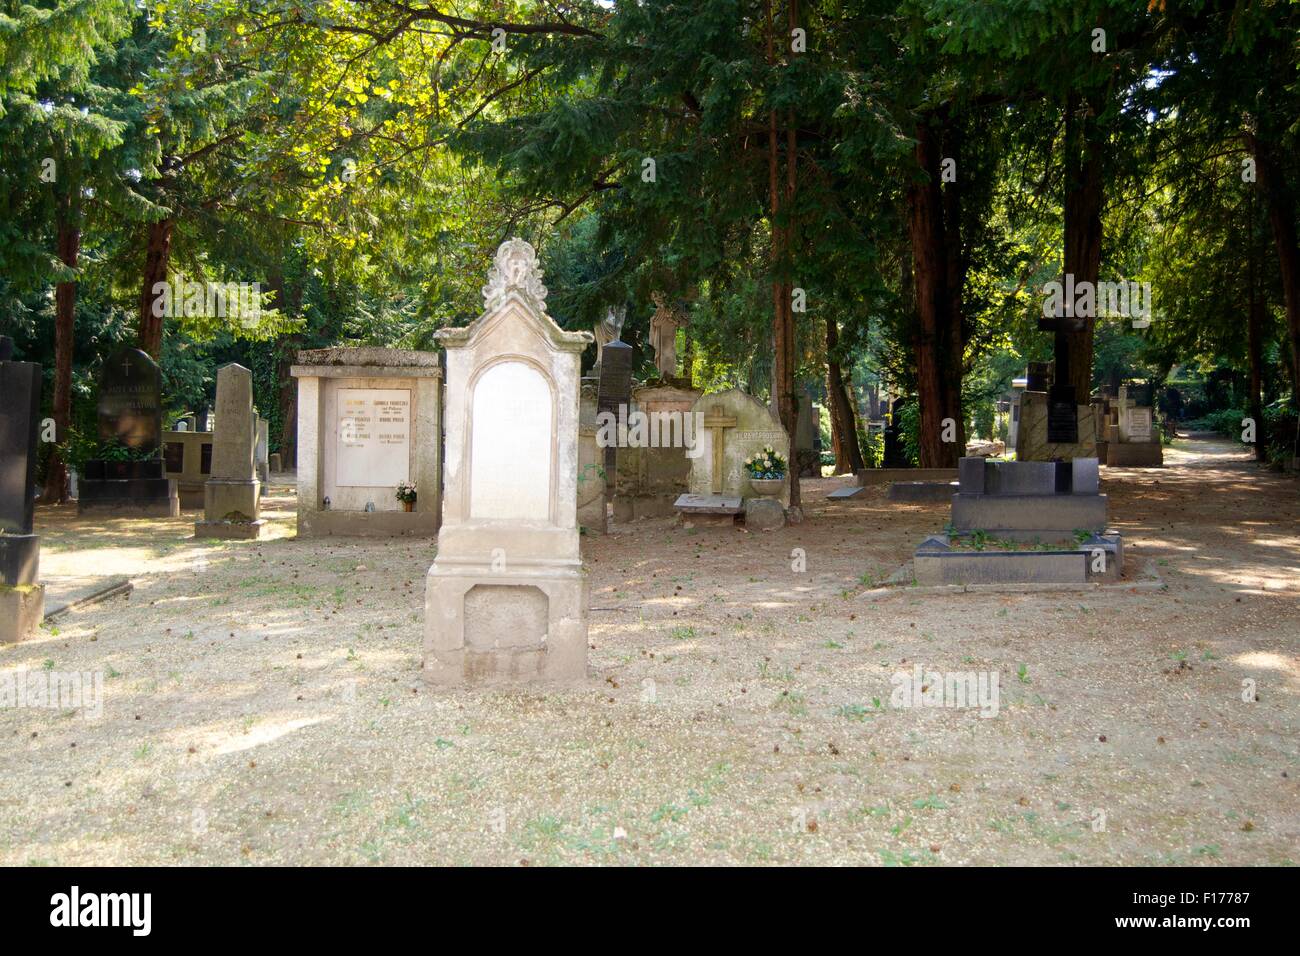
{"x":262,"y":701}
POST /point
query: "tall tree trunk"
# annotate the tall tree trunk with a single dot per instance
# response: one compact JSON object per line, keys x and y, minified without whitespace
{"x":782,"y":312}
{"x":844,"y":424}
{"x":1281,"y":217}
{"x":65,"y":312}
{"x":1255,"y":342}
{"x":157,"y":257}
{"x":936,"y":365}
{"x":1082,"y":228}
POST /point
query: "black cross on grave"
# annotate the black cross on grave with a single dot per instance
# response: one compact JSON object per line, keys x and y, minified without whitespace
{"x":126,"y":365}
{"x":1062,"y":403}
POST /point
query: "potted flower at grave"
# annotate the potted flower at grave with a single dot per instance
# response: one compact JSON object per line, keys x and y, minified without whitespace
{"x":406,"y":495}
{"x":766,"y":470}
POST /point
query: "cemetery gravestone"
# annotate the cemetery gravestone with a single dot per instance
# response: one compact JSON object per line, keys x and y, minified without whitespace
{"x":367,"y":420}
{"x":1132,"y":439}
{"x":1054,"y":507}
{"x":592,"y":512}
{"x":506,"y":597}
{"x":187,"y":460}
{"x":230,"y":496}
{"x":614,"y":391}
{"x":22,"y":597}
{"x":735,"y":426}
{"x":129,"y":479}
{"x":649,"y":478}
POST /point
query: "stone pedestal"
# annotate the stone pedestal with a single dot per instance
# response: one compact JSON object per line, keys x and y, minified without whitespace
{"x":20,"y":558}
{"x":231,"y":505}
{"x":506,"y":597}
{"x":1031,"y":434}
{"x":1055,"y":506}
{"x":21,"y":611}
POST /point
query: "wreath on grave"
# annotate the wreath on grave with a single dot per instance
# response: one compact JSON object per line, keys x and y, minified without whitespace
{"x":767,"y":463}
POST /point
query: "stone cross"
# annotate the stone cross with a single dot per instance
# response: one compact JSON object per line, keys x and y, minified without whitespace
{"x":717,"y":423}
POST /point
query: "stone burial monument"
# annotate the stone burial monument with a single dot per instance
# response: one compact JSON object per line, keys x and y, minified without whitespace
{"x":368,"y":421}
{"x":1024,"y":522}
{"x":128,"y":479}
{"x":652,"y":474}
{"x":736,"y":426}
{"x":1132,"y":439}
{"x":231,"y":495}
{"x":22,"y":596}
{"x":506,"y":597}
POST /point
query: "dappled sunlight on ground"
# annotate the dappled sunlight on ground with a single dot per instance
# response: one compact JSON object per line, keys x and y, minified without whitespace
{"x":263,"y":700}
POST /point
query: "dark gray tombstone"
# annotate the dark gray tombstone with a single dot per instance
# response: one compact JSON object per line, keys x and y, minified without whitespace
{"x":615,"y":386}
{"x":1062,"y":416}
{"x":130,"y":412}
{"x":614,"y":389}
{"x":20,"y":409}
{"x":130,"y":400}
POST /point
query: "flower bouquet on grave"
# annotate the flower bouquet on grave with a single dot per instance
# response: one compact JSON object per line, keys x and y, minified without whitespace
{"x":767,"y":470}
{"x":406,"y":495}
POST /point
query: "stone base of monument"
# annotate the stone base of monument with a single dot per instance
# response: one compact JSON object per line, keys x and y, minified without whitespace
{"x":635,"y":507}
{"x":921,"y":491}
{"x":368,"y":524}
{"x":1024,"y":522}
{"x":231,"y":530}
{"x":868,"y":477}
{"x":22,"y":609}
{"x":1132,"y":454}
{"x":1022,"y":517}
{"x":127,"y":488}
{"x":520,"y":625}
{"x":20,"y":558}
{"x":948,"y":559}
{"x":764,"y":514}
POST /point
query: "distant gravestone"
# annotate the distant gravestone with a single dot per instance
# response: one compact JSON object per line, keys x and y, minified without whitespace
{"x":506,"y":597}
{"x":130,"y":400}
{"x":368,"y":420}
{"x":230,"y":495}
{"x":735,"y":426}
{"x":129,"y":413}
{"x":22,"y":598}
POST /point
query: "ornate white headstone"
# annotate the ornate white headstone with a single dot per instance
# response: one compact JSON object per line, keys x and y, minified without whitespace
{"x":506,"y":597}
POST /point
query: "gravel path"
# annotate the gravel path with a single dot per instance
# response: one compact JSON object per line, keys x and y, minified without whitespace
{"x":262,"y":702}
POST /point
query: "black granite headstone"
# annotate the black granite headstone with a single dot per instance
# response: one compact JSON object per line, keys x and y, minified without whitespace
{"x":130,"y":411}
{"x":615,"y":387}
{"x":20,"y":409}
{"x":1062,"y":416}
{"x":130,"y":400}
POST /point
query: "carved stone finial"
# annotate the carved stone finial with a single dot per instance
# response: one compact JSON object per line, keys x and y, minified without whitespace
{"x":515,"y":267}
